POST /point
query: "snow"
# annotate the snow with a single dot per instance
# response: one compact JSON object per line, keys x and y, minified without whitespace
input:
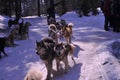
{"x":93,"y":52}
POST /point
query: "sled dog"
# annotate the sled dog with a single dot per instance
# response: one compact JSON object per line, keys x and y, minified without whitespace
{"x":45,"y":50}
{"x":67,"y":32}
{"x":62,"y":51}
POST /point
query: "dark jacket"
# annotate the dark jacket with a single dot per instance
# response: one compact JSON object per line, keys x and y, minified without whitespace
{"x":116,"y":8}
{"x":106,"y":7}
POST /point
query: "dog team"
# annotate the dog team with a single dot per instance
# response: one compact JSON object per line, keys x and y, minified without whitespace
{"x":53,"y":48}
{"x":19,"y":31}
{"x":48,"y":48}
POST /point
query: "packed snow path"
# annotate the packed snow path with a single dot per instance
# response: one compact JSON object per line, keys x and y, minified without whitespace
{"x":92,"y":53}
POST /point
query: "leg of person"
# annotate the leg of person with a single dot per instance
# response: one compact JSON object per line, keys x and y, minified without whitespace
{"x":0,"y":54}
{"x":111,"y":21}
{"x":106,"y":23}
{"x":117,"y":27}
{"x":116,"y":22}
{"x":4,"y":53}
{"x":119,"y":24}
{"x":48,"y":17}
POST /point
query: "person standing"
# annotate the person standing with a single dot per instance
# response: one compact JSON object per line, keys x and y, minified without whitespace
{"x":50,"y":10}
{"x":50,"y":13}
{"x":106,"y":8}
{"x":116,"y":12}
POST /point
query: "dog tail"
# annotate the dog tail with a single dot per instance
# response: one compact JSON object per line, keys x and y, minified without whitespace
{"x":52,"y":26}
{"x":70,"y":24}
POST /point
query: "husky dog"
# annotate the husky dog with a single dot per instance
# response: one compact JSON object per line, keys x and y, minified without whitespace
{"x":51,"y":28}
{"x":67,"y":32}
{"x":24,"y":30}
{"x":62,"y":51}
{"x":15,"y":32}
{"x":10,"y":39}
{"x":33,"y":74}
{"x":2,"y":46}
{"x":45,"y":50}
{"x":53,"y":33}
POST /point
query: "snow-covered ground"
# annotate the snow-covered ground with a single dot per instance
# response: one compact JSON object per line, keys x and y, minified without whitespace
{"x":93,"y":52}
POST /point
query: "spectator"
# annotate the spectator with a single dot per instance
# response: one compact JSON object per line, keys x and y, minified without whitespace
{"x":116,"y":12}
{"x":106,"y":8}
{"x":50,"y":13}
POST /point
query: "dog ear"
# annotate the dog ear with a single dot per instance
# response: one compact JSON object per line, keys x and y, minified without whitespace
{"x":45,"y":44}
{"x":63,"y":45}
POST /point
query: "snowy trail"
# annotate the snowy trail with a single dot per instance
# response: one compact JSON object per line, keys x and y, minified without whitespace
{"x":93,"y":58}
{"x":93,"y":36}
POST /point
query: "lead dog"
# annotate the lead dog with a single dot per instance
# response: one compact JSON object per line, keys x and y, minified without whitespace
{"x":45,"y":50}
{"x":62,"y":51}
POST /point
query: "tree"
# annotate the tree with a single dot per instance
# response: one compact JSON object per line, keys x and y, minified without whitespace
{"x":38,"y":7}
{"x":18,"y":8}
{"x":63,"y":2}
{"x":50,"y":9}
{"x":5,"y":7}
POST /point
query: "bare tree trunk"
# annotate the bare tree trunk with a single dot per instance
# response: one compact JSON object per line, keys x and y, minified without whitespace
{"x":52,"y":8}
{"x":38,"y":7}
{"x":18,"y":8}
{"x":63,"y":2}
{"x":9,"y":8}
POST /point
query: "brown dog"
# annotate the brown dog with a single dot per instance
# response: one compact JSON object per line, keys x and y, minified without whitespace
{"x":10,"y":38}
{"x":67,"y":32}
